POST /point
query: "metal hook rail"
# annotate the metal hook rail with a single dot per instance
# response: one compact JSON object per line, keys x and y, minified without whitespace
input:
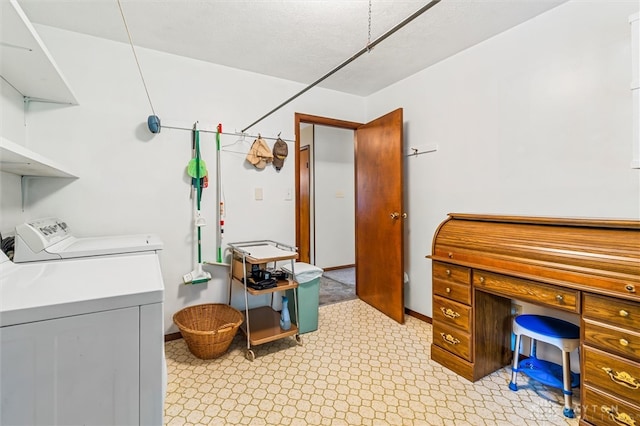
{"x":414,"y":152}
{"x":229,"y":134}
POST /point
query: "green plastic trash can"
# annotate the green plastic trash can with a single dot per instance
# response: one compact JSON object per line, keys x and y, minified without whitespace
{"x":308,"y":278}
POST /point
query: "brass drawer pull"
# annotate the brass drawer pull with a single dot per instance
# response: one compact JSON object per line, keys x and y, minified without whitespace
{"x":620,"y":418}
{"x":559,"y":298}
{"x":624,"y":342}
{"x":449,"y":313}
{"x":448,"y":290}
{"x":624,"y":313}
{"x":449,"y":339}
{"x":630,"y":288}
{"x":622,"y":378}
{"x":482,"y":279}
{"x":450,"y":255}
{"x":448,"y":271}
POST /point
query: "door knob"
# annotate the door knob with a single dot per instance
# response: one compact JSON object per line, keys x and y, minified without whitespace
{"x":395,"y":215}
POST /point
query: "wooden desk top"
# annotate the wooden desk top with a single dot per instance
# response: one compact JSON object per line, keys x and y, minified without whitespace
{"x":596,"y":255}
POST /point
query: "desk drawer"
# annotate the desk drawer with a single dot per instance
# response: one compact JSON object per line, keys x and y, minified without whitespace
{"x":528,"y":291}
{"x":612,"y":374}
{"x":452,"y":289}
{"x":452,"y":313}
{"x":452,"y":273}
{"x":612,"y":339}
{"x":457,"y":292}
{"x":601,"y":409}
{"x":452,"y":339}
{"x":619,"y":312}
{"x":452,"y":282}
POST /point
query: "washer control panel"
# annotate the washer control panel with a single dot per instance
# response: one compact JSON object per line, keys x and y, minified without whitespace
{"x":42,"y":233}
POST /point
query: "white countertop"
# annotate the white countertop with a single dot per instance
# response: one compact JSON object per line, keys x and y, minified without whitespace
{"x":54,"y":289}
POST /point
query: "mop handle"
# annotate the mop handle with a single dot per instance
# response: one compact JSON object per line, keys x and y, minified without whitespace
{"x":199,"y":191}
{"x":218,"y":190}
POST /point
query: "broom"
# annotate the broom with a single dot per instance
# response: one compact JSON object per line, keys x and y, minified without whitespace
{"x":198,"y":275}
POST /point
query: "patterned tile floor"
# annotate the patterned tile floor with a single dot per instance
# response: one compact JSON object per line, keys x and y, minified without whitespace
{"x":359,"y":368}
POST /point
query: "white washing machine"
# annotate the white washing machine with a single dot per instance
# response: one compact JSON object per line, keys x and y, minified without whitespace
{"x":51,"y":239}
{"x":81,"y":333}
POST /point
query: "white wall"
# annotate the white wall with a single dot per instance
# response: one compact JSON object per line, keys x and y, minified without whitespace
{"x":12,"y":128}
{"x":12,"y":114}
{"x":535,"y":121}
{"x":131,"y":181}
{"x":334,"y":200}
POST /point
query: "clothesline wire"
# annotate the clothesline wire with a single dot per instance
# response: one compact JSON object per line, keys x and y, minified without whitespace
{"x":144,"y":83}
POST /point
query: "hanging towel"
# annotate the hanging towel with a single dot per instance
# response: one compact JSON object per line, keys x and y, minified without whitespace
{"x":259,"y":154}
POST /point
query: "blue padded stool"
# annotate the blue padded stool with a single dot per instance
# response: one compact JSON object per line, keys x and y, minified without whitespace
{"x":556,"y":332}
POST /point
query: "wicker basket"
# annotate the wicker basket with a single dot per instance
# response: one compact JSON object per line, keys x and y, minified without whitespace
{"x":208,"y":329}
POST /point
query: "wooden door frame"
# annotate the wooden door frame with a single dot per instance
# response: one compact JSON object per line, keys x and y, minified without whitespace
{"x":322,"y":121}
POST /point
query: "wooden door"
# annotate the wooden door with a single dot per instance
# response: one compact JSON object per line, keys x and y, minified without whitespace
{"x":379,"y":214}
{"x":304,"y":247}
{"x":379,"y":182}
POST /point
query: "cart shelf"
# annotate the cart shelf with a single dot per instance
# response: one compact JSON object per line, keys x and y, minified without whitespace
{"x":281,"y":285}
{"x":264,"y":251}
{"x":265,"y":326}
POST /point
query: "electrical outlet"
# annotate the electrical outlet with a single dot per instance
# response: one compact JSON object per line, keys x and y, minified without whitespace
{"x":516,"y":309}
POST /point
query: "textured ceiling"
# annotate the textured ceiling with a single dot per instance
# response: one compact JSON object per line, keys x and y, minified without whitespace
{"x":295,"y":39}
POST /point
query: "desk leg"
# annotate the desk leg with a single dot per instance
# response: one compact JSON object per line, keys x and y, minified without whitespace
{"x":492,"y":333}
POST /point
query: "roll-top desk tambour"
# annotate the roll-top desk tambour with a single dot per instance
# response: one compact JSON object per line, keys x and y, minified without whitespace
{"x":587,"y":266}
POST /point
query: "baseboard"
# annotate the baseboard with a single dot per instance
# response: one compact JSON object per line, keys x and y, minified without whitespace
{"x":172,"y":336}
{"x":335,"y":268}
{"x":418,"y":315}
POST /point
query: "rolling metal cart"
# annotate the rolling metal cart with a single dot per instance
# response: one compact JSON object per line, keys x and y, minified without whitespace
{"x":262,"y":324}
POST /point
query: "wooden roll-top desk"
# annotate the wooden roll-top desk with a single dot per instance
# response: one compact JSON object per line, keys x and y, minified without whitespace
{"x":590,"y":267}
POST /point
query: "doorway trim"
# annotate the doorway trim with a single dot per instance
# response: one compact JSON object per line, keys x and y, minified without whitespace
{"x":312,"y":119}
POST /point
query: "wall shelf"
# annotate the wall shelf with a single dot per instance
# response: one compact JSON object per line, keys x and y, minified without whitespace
{"x":26,"y":62}
{"x":21,"y":161}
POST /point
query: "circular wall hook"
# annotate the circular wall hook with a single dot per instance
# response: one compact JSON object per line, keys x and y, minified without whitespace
{"x":153,"y":122}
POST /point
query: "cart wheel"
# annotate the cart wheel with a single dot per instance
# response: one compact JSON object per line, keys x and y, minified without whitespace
{"x":299,"y":339}
{"x":250,"y":355}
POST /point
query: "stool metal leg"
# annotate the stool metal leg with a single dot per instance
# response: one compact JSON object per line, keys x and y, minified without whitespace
{"x":534,"y":348}
{"x":514,"y":368}
{"x":566,"y":386}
